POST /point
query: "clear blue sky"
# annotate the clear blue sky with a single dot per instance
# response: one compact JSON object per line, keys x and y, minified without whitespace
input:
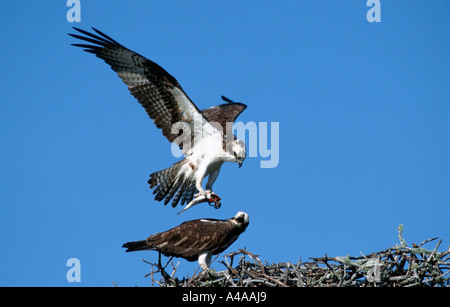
{"x":363,"y":110}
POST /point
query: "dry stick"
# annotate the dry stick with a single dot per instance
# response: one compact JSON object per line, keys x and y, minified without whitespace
{"x":254,"y":257}
{"x":174,"y":268}
{"x":429,"y":240}
{"x":233,"y":271}
{"x":434,"y":251}
{"x":286,"y":274}
{"x":161,"y":269}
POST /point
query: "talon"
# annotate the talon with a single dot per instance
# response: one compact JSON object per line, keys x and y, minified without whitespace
{"x":214,"y":200}
{"x":217,"y":205}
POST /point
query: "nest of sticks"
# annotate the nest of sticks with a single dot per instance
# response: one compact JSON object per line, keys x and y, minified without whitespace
{"x":398,"y":266}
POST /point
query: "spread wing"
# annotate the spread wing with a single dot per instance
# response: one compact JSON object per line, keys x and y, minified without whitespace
{"x":224,"y":113}
{"x":156,"y":90}
{"x":191,"y":238}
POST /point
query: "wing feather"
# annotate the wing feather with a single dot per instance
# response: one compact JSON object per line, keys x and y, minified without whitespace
{"x":156,"y":90}
{"x":224,"y":113}
{"x":191,"y":238}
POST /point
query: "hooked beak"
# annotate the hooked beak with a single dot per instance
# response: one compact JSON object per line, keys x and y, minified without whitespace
{"x":240,"y":163}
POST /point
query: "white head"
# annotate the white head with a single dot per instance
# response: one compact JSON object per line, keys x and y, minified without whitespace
{"x":239,"y":151}
{"x":241,"y":218}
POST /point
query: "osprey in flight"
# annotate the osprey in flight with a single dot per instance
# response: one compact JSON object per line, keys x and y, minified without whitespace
{"x":196,"y":239}
{"x":204,"y":137}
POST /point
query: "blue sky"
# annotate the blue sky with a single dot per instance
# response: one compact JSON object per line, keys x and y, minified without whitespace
{"x":363,"y":111}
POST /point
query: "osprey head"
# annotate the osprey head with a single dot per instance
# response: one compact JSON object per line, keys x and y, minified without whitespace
{"x":241,"y":219}
{"x":239,"y":152}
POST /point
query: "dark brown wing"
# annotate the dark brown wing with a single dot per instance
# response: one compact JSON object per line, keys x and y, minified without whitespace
{"x":192,"y":238}
{"x":156,"y":90}
{"x":224,"y":113}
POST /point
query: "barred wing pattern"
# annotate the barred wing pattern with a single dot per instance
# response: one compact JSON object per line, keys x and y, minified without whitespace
{"x":156,"y":90}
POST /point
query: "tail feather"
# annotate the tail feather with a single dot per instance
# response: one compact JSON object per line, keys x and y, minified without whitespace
{"x":136,"y":246}
{"x":188,"y":193}
{"x":175,"y":186}
{"x":182,"y":193}
{"x":164,"y":180}
{"x":170,"y":184}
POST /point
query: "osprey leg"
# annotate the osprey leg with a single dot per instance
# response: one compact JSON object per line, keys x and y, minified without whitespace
{"x":204,"y":260}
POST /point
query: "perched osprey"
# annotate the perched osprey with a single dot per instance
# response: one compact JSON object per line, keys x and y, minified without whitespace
{"x":196,"y":239}
{"x":204,"y":137}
